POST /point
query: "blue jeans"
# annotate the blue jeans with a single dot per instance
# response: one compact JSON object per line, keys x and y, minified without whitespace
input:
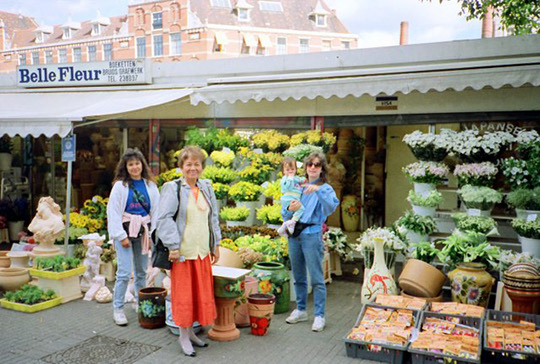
{"x":307,"y":251}
{"x":125,"y":258}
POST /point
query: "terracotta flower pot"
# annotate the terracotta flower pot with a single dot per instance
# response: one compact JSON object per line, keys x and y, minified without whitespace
{"x":5,"y":262}
{"x":428,"y":299}
{"x":261,"y":310}
{"x":11,"y":279}
{"x":421,"y":279}
{"x":241,"y":314}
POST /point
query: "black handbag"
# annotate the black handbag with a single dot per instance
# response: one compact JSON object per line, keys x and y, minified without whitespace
{"x":298,"y":228}
{"x":160,"y":253}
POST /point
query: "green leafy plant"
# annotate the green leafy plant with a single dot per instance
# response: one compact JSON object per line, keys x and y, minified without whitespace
{"x":271,"y":141}
{"x":301,"y":151}
{"x":219,"y":174}
{"x":228,"y":139}
{"x":479,"y":224}
{"x":432,"y":200}
{"x":482,"y":198}
{"x":234,"y":213}
{"x":527,"y":229}
{"x":524,"y":199}
{"x":220,"y":190}
{"x":168,"y":176}
{"x":57,"y":264}
{"x":274,"y":250}
{"x":207,"y":139}
{"x":245,"y":191}
{"x":270,"y":214}
{"x":74,"y":233}
{"x":151,"y":309}
{"x":30,"y":295}
{"x":463,"y":247}
{"x":423,"y":225}
{"x":273,"y":190}
{"x":222,"y":158}
{"x":424,"y":251}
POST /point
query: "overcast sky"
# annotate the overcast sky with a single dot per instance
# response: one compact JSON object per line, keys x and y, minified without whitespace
{"x":375,"y":21}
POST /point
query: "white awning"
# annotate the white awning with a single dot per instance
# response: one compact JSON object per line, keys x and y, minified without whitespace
{"x":250,"y":40}
{"x":370,"y":83}
{"x":264,"y":39}
{"x":221,"y":38}
{"x":50,"y":113}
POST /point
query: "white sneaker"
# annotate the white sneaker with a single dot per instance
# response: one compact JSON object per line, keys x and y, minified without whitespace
{"x":318,"y":324}
{"x":296,"y":316}
{"x":119,"y":317}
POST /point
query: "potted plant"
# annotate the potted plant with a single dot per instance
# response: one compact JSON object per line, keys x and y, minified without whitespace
{"x":418,"y":228}
{"x":221,"y":191}
{"x":270,"y":215}
{"x":205,"y":138}
{"x":235,"y":216}
{"x":222,"y":158}
{"x":316,"y":138}
{"x":301,"y":151}
{"x":271,"y":141}
{"x":476,"y":174}
{"x":246,"y":194}
{"x":350,"y":213}
{"x":393,"y":245}
{"x":520,"y":173}
{"x":30,"y":298}
{"x":339,"y":248}
{"x":73,"y":239}
{"x":426,"y":175}
{"x":228,"y":139}
{"x":256,"y":173}
{"x":479,"y":224}
{"x":428,"y":146}
{"x":168,"y":176}
{"x":528,"y":143}
{"x":219,"y":174}
{"x":471,"y":147}
{"x":60,"y":274}
{"x":425,"y":205}
{"x":273,"y":190}
{"x":419,"y":278}
{"x":529,"y":235}
{"x":525,"y":201}
{"x":6,"y":146}
{"x":479,"y":200}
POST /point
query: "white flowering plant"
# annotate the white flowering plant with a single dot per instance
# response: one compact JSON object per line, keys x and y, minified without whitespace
{"x":393,"y":245}
{"x":336,"y":241}
{"x":482,"y":198}
{"x":428,"y":146}
{"x":509,"y":257}
{"x":476,"y":174}
{"x":472,"y":147}
{"x":426,"y":172}
{"x":527,"y":136}
{"x":520,"y":173}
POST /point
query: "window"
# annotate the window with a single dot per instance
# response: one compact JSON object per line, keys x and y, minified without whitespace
{"x":157,"y":20}
{"x":39,"y":37}
{"x":346,"y":45}
{"x":245,"y":48}
{"x":243,"y":14}
{"x":76,"y":54}
{"x":176,"y":43}
{"x":320,"y":20}
{"x":158,"y":45}
{"x":48,"y":57}
{"x":22,"y":59}
{"x":95,"y":29}
{"x":281,"y":46}
{"x":141,"y":47}
{"x":326,"y":45}
{"x":107,"y":51}
{"x":221,"y":3}
{"x":273,"y":6}
{"x":66,"y":33}
{"x":304,"y":45}
{"x":62,"y":56}
{"x":35,"y":57}
{"x":92,"y":53}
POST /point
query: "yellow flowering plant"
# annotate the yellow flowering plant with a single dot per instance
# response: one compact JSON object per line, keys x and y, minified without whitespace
{"x":270,"y":214}
{"x":228,"y":244}
{"x":219,"y":174}
{"x":270,"y":159}
{"x":228,"y":139}
{"x":273,"y":190}
{"x":314,"y":137}
{"x":271,"y":141}
{"x":220,"y":190}
{"x":245,"y":191}
{"x":168,"y":176}
{"x":222,"y":158}
{"x":256,"y":173}
{"x":240,"y":213}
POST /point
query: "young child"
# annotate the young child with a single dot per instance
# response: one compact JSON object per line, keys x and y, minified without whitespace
{"x":291,"y":189}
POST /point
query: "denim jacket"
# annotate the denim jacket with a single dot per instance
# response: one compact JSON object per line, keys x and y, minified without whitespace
{"x":171,"y":232}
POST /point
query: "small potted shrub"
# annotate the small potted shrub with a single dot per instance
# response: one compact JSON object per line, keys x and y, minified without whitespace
{"x":235,"y":216}
{"x":219,"y":174}
{"x":30,"y":299}
{"x":418,"y":228}
{"x":425,"y":205}
{"x":419,"y":278}
{"x":528,"y":234}
{"x":476,"y":174}
{"x":525,"y":201}
{"x":270,"y":215}
{"x":479,"y":199}
{"x":6,"y":146}
{"x":246,"y":194}
{"x":221,"y":191}
{"x":479,"y":224}
{"x":222,"y":158}
{"x":426,"y":175}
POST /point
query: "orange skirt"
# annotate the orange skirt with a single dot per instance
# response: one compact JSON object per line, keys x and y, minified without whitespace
{"x":192,"y":292}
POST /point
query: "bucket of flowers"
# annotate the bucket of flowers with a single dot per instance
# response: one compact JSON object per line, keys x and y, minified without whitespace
{"x":222,"y":158}
{"x":472,"y":147}
{"x":416,"y":228}
{"x":235,"y":216}
{"x":271,"y":141}
{"x":426,"y":175}
{"x":479,"y":200}
{"x":425,"y":205}
{"x":525,"y":201}
{"x":393,"y":245}
{"x":428,"y":146}
{"x":528,"y":231}
{"x":476,"y":174}
{"x":219,"y":174}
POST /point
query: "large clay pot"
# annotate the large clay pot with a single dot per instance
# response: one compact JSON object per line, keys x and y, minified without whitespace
{"x":471,"y":284}
{"x":19,"y":259}
{"x":152,"y":307}
{"x":228,"y":258}
{"x":11,"y":279}
{"x":349,"y":213}
{"x":421,"y":279}
{"x":379,"y":279}
{"x":261,"y":308}
{"x":241,"y":314}
{"x":5,"y":262}
{"x":274,"y":279}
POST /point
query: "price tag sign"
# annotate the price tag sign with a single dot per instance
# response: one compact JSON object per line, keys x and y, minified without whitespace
{"x":474,"y":212}
{"x":532,"y":217}
{"x":68,"y":148}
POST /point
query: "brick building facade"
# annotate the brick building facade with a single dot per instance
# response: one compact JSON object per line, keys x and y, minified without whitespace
{"x":177,"y":30}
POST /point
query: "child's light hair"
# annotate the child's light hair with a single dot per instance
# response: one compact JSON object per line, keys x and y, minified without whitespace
{"x":288,"y":161}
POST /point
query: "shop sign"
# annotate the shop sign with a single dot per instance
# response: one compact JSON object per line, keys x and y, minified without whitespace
{"x":384,"y":103}
{"x":69,"y":148}
{"x":123,"y":72}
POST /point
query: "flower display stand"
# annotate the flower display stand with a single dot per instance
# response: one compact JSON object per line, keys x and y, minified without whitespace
{"x":65,"y":284}
{"x":21,"y":307}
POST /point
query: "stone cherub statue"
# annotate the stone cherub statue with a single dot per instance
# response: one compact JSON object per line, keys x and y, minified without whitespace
{"x":47,"y":225}
{"x":91,"y":262}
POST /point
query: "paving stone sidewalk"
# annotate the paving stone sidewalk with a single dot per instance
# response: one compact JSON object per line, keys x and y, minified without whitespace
{"x":29,"y":338}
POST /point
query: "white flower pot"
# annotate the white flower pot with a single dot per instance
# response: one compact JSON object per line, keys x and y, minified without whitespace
{"x":236,"y":223}
{"x":478,"y":212}
{"x":415,"y":238}
{"x":15,"y":227}
{"x":424,"y":211}
{"x":523,"y":214}
{"x":529,"y":245}
{"x":424,"y":189}
{"x":5,"y":161}
{"x":252,"y":206}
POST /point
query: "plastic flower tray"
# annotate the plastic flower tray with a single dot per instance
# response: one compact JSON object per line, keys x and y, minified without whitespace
{"x":504,"y":356}
{"x":388,"y":353}
{"x":56,"y":275}
{"x":30,"y":308}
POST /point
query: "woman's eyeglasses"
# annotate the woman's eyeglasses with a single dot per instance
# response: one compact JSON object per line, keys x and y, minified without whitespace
{"x":316,"y":165}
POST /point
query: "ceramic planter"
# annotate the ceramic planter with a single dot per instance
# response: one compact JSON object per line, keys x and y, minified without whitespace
{"x":529,"y":245}
{"x":241,"y":314}
{"x":274,"y":279}
{"x":30,"y":308}
{"x":379,"y":279}
{"x":152,"y":307}
{"x":65,"y":284}
{"x":424,"y":189}
{"x":421,"y":279}
{"x":471,"y":284}
{"x":349,"y":213}
{"x":424,"y":211}
{"x":5,"y":262}
{"x":252,"y":206}
{"x":19,"y":259}
{"x":11,"y":279}
{"x":261,"y":309}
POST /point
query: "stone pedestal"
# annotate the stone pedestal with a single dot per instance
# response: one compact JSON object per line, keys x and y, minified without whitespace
{"x":224,"y":328}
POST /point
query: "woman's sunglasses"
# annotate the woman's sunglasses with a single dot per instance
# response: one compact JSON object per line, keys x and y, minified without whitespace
{"x":316,"y":165}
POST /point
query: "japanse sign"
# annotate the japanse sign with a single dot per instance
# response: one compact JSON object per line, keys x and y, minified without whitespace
{"x":85,"y":74}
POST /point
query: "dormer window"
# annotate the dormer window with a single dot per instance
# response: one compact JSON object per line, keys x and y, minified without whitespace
{"x":96,"y":29}
{"x":320,"y":20}
{"x":243,"y":14}
{"x":242,"y":10}
{"x":68,"y":28}
{"x":40,"y":38}
{"x":99,"y":24}
{"x":66,"y":33}
{"x":42,"y":33}
{"x":319,"y":15}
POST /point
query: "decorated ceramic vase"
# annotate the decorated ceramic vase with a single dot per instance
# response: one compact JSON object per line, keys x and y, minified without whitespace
{"x":471,"y":284}
{"x":349,"y":213}
{"x":274,"y":279}
{"x":379,"y":279}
